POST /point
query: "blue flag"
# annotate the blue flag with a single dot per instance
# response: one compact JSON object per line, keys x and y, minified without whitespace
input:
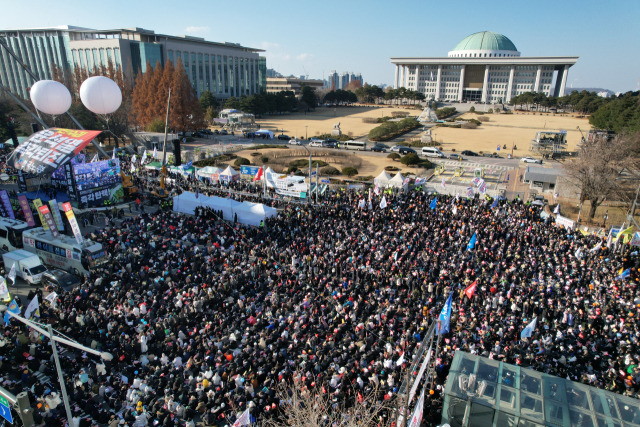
{"x":445,"y":316}
{"x":624,"y":274}
{"x":13,"y":307}
{"x":187,"y":166}
{"x":433,"y":203}
{"x":495,"y":203}
{"x":472,"y":242}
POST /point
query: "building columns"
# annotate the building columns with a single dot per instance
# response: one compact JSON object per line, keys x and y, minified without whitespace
{"x":461,"y":85}
{"x":438,"y":82}
{"x":536,"y":88}
{"x":485,"y":85}
{"x":395,"y":78}
{"x":512,"y":73}
{"x":563,"y":82}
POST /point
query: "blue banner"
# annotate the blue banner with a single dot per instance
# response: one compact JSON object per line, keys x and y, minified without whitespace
{"x":249,"y":170}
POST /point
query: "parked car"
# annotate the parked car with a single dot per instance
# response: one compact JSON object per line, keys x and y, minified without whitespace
{"x":197,"y":134}
{"x":205,"y":132}
{"x":330,"y":143}
{"x":492,"y":155}
{"x":469,"y":153}
{"x":224,"y":132}
{"x":58,"y":280}
{"x":406,"y":150}
{"x":396,"y":148}
{"x":315,"y":142}
{"x":379,"y":148}
{"x":455,"y":156}
{"x":531,"y":160}
{"x":294,"y":141}
{"x":284,"y":137}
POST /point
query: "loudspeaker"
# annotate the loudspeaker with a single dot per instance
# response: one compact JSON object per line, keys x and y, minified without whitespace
{"x":177,"y":160}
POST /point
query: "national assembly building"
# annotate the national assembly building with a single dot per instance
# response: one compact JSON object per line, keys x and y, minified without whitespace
{"x":484,"y":67}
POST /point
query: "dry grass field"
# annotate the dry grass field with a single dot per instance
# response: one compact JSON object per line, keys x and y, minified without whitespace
{"x":501,"y":129}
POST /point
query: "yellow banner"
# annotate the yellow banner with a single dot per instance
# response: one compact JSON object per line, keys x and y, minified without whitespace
{"x":37,"y":203}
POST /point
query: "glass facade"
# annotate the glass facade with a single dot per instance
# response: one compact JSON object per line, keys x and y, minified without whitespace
{"x":485,"y":392}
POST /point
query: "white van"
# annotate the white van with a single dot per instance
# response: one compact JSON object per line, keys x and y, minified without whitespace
{"x":432,"y":152}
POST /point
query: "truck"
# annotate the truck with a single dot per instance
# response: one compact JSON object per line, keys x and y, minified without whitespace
{"x":11,"y":233}
{"x":28,"y":265}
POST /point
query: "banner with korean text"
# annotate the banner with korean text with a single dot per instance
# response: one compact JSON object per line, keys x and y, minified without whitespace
{"x":44,"y":210}
{"x":38,"y":204}
{"x":49,"y":149}
{"x":68,"y":210}
{"x":26,"y":209}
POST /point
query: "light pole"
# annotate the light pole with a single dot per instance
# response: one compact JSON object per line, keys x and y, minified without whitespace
{"x":606,"y":217}
{"x":49,"y":334}
{"x":309,"y":187}
{"x":305,"y":132}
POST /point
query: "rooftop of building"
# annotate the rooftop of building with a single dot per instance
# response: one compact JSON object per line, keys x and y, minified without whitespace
{"x":486,"y":40}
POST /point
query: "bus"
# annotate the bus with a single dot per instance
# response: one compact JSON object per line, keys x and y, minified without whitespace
{"x":64,"y":252}
{"x":353,"y":145}
{"x":11,"y":233}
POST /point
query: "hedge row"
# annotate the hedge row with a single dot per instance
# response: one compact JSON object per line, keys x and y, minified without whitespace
{"x":390,"y":130}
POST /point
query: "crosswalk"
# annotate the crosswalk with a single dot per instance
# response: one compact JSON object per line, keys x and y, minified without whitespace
{"x":452,"y":164}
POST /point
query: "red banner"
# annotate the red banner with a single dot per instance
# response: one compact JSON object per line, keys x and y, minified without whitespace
{"x":49,"y":149}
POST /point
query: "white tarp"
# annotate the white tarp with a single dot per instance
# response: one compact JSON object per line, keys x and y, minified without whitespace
{"x":247,"y":213}
{"x":210,"y":172}
{"x":383,"y":179}
{"x":264,"y":132}
{"x":397,"y":181}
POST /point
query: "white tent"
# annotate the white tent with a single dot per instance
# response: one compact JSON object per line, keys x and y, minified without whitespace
{"x":397,"y":181}
{"x":210,"y":172}
{"x":229,"y":174}
{"x":247,"y":213}
{"x":383,"y":179}
{"x":261,"y":132}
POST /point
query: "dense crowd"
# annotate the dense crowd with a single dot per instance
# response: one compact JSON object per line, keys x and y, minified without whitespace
{"x":206,"y":319}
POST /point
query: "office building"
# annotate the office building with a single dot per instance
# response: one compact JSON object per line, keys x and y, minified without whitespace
{"x":225,"y":69}
{"x":483,"y":67}
{"x":293,"y":84}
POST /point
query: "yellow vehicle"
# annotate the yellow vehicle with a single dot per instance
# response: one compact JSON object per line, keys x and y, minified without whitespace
{"x":161,"y":193}
{"x":130,"y":190}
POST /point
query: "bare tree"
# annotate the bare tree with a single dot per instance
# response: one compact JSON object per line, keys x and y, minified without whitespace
{"x":600,"y":163}
{"x":302,"y":406}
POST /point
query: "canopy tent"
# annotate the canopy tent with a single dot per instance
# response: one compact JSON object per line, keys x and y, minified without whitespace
{"x":229,"y":174}
{"x":264,"y":132}
{"x":383,"y":179}
{"x":209,"y":172}
{"x":247,"y":213}
{"x":397,"y":181}
{"x":182,"y":171}
{"x":156,"y":166}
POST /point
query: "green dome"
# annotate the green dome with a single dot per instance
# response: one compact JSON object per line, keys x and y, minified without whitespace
{"x":485,"y":40}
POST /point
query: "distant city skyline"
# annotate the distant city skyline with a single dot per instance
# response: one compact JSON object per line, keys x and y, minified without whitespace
{"x":310,"y":39}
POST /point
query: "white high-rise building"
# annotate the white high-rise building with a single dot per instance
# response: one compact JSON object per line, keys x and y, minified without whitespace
{"x":484,"y":67}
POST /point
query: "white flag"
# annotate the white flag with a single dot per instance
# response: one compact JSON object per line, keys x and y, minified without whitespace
{"x":444,"y":182}
{"x":4,"y":291}
{"x":114,"y":153}
{"x":155,"y":153}
{"x":12,"y":274}
{"x":455,"y":210}
{"x":383,"y":202}
{"x":244,"y":420}
{"x":95,"y":158}
{"x":557,"y":209}
{"x":133,"y":168}
{"x":376,"y":189}
{"x":33,"y":308}
{"x":526,"y":332}
{"x":597,"y":247}
{"x":52,"y":298}
{"x":361,"y":204}
{"x":133,"y":159}
{"x":144,"y":157}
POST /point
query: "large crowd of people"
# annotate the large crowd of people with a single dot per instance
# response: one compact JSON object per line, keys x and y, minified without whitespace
{"x":206,"y":319}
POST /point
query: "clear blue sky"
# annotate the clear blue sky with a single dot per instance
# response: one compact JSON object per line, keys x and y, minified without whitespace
{"x":314,"y":37}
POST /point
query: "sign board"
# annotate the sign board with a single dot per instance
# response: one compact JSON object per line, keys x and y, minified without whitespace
{"x":49,"y":149}
{"x":249,"y":170}
{"x":325,"y":181}
{"x":313,"y":173}
{"x":5,"y":410}
{"x":566,"y":222}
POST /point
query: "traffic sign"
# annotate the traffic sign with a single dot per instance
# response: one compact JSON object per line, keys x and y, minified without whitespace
{"x":325,"y":180}
{"x":5,"y":410}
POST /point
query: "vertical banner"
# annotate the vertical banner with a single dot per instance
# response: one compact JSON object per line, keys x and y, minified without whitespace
{"x":416,"y":418}
{"x":68,"y":210}
{"x":7,"y":204}
{"x":26,"y":209}
{"x":44,"y":210}
{"x":70,"y":179}
{"x":55,"y":210}
{"x":38,"y":203}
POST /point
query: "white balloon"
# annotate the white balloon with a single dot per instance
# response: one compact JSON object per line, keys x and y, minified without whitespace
{"x":100,"y":95}
{"x":50,"y":97}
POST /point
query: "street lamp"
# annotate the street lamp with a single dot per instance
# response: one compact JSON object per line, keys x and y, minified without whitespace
{"x":305,"y":132}
{"x":49,"y":334}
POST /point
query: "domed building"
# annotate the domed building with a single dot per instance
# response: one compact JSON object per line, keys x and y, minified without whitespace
{"x":484,"y":67}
